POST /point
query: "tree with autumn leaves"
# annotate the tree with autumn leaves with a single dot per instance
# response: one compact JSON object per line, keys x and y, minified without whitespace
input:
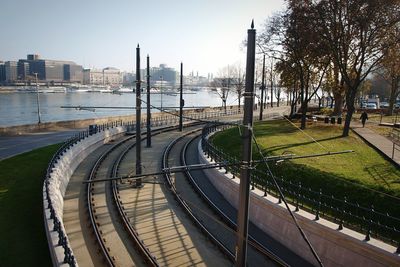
{"x":335,"y":42}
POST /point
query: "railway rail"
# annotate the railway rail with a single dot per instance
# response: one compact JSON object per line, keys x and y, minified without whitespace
{"x":117,"y":154}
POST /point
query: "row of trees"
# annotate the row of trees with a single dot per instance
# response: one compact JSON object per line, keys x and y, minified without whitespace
{"x":231,"y":78}
{"x":334,"y":45}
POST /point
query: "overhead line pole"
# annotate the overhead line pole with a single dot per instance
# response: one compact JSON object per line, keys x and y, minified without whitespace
{"x":244,"y":188}
{"x":138,"y":182}
{"x":262,"y":89}
{"x":181,"y":102}
{"x":148,"y":119}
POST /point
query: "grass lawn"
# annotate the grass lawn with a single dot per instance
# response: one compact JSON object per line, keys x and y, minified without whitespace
{"x":22,"y":236}
{"x":338,"y":175}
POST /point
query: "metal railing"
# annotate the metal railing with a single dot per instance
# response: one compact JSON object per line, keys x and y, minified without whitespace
{"x":366,"y":220}
{"x":69,"y":258}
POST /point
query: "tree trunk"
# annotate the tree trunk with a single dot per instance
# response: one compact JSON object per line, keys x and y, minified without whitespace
{"x":278,"y":99}
{"x":350,"y":96}
{"x":337,"y":110}
{"x":393,"y":95}
{"x":272,"y":94}
{"x":303,"y":115}
{"x":225,"y":106}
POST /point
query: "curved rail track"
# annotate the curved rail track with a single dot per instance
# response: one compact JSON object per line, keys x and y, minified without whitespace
{"x":254,"y":244}
{"x":93,"y":205}
{"x":105,"y":195}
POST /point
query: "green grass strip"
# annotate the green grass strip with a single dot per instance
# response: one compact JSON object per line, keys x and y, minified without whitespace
{"x":22,"y":236}
{"x":338,"y":175}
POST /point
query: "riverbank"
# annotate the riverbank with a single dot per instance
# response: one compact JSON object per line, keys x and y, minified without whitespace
{"x":84,"y":123}
{"x":60,"y":125}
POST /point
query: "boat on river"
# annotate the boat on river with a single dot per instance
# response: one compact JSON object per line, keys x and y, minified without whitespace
{"x":47,"y":89}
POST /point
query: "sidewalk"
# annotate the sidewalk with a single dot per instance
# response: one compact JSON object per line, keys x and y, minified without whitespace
{"x":381,"y":143}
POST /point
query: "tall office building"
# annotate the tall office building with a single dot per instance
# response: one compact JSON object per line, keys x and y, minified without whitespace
{"x":11,"y":71}
{"x":33,"y":57}
{"x":2,"y":72}
{"x":23,"y":70}
{"x":168,"y":76}
{"x":73,"y":73}
{"x":49,"y":70}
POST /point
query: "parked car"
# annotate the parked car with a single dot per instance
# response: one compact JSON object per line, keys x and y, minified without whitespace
{"x":384,"y":105}
{"x":371,"y":106}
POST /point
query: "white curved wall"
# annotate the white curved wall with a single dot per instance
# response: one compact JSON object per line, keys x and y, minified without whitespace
{"x":58,"y":182}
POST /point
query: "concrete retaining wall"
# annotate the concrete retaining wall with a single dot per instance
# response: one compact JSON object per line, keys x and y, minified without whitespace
{"x":334,"y":247}
{"x":58,"y":182}
{"x":56,"y":125}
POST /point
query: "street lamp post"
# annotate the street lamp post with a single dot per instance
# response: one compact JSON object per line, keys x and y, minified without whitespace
{"x":37,"y":97}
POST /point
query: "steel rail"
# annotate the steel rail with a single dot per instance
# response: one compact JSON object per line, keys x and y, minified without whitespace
{"x":188,"y":210}
{"x":252,"y":240}
{"x":90,"y":205}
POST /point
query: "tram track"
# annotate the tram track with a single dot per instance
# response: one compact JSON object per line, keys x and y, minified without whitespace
{"x":165,"y":164}
{"x":98,"y":201}
{"x":256,"y":246}
{"x":93,"y":199}
{"x":217,"y":228}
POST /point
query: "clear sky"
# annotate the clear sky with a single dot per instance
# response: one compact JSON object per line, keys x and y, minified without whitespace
{"x":205,"y":35}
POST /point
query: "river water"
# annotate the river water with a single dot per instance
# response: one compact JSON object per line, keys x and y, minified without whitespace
{"x":21,"y":108}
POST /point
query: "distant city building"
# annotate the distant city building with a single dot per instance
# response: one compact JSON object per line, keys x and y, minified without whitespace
{"x":11,"y":71}
{"x":2,"y":72}
{"x":106,"y":76}
{"x":193,"y":81}
{"x":33,"y":57}
{"x":23,"y":70}
{"x":73,"y":73}
{"x":128,"y":78}
{"x":163,"y":73}
{"x":112,"y":76}
{"x":49,"y":70}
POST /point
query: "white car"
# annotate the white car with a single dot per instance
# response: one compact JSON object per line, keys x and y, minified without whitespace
{"x":371,"y":106}
{"x":384,"y":105}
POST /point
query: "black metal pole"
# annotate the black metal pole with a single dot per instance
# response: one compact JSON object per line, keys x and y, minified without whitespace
{"x":181,"y":102}
{"x":148,"y":120}
{"x":138,"y":183}
{"x":272,"y":82}
{"x":244,"y":188}
{"x":262,"y":89}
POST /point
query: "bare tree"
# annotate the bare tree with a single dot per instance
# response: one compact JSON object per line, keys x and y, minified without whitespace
{"x":238,"y":81}
{"x":222,"y":84}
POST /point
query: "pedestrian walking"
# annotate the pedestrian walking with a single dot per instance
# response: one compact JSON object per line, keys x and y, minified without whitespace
{"x":364,"y":118}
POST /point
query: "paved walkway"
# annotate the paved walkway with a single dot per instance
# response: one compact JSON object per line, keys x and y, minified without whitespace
{"x":380,"y":142}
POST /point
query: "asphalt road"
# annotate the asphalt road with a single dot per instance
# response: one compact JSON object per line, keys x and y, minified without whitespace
{"x":14,"y":145}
